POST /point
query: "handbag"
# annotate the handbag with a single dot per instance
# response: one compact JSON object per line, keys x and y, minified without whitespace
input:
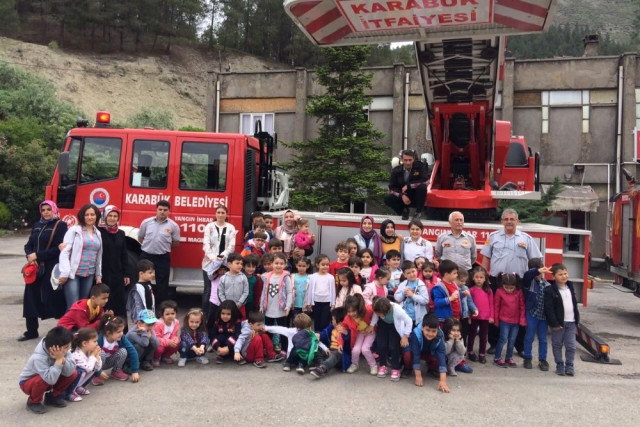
{"x":34,"y":272}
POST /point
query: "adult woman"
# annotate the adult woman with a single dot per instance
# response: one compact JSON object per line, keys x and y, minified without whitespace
{"x":115,"y":266}
{"x":389,"y":238}
{"x":414,"y":245}
{"x":368,"y":238}
{"x":40,"y":300}
{"x":286,"y":232}
{"x":81,"y":258}
{"x":218,"y":242}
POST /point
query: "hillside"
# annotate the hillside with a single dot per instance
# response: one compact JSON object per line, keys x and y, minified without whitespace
{"x":615,"y":17}
{"x":124,"y":83}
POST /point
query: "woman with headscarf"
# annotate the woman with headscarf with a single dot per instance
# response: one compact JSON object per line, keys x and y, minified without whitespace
{"x":286,"y":233}
{"x":368,"y":238}
{"x":40,"y":300}
{"x":389,"y":238}
{"x":115,"y":265}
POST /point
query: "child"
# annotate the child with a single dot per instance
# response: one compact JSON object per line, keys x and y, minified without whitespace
{"x":467,"y":308}
{"x":355,"y":264}
{"x":115,"y":350}
{"x":305,"y":345}
{"x":252,"y":345}
{"x":534,"y":286}
{"x":342,"y":251}
{"x":393,"y":332}
{"x":300,"y":284}
{"x":141,"y":295}
{"x":86,"y":313}
{"x":299,"y":321}
{"x":483,"y":298}
{"x":193,"y":338}
{"x":509,"y":314}
{"x":454,"y":348}
{"x":321,"y":294}
{"x":352,"y":247}
{"x":216,"y":271}
{"x":49,"y":369}
{"x":358,"y":321}
{"x":275,"y":246}
{"x":303,"y":238}
{"x":86,"y":355}
{"x":369,"y":267}
{"x":419,"y":262}
{"x":144,"y":339}
{"x":258,"y":226}
{"x":427,"y":339}
{"x":167,"y":332}
{"x":250,"y":263}
{"x":430,"y":278}
{"x":234,"y":284}
{"x":445,"y":295}
{"x":347,"y":285}
{"x":378,"y":287}
{"x":256,"y":246}
{"x":225,"y":330}
{"x":267,"y":264}
{"x":268,"y":222}
{"x":412,"y":293}
{"x":277,"y":297}
{"x":338,"y":338}
{"x":393,"y":257}
{"x":561,"y":310}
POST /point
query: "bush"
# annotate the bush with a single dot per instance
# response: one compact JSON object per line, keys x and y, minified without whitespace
{"x":191,"y":129}
{"x":5,"y":216}
{"x":157,"y":119}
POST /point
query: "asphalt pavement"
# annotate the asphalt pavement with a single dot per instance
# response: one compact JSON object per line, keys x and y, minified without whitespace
{"x":244,"y":395}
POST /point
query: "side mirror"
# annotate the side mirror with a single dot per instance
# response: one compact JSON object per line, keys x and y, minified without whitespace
{"x":63,"y":163}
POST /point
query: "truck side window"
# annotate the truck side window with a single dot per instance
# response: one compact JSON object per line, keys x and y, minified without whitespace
{"x":203,"y":166}
{"x":100,"y":159}
{"x":149,"y":164}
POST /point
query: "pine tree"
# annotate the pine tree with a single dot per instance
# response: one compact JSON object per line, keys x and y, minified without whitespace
{"x":534,"y":210}
{"x":345,"y":161}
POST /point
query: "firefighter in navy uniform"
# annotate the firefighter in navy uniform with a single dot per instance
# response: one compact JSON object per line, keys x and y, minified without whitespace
{"x":408,"y":186}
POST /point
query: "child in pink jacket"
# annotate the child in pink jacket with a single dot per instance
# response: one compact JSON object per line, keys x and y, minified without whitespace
{"x":509,"y":315}
{"x":167,"y":331}
{"x":304,"y":239}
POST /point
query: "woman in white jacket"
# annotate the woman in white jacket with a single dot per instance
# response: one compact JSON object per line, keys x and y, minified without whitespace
{"x":218,"y":242}
{"x":81,"y":256}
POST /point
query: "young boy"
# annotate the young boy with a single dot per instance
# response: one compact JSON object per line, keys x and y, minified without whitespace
{"x":342,"y":251}
{"x":276,"y":246}
{"x":339,"y":339}
{"x":256,"y":246}
{"x":252,"y":345}
{"x":250,"y":263}
{"x":258,"y":227}
{"x":234,"y":284}
{"x":467,"y":306}
{"x":304,"y":343}
{"x":561,"y":310}
{"x":412,"y":293}
{"x":268,"y":221}
{"x":86,"y":313}
{"x":445,"y":294}
{"x":49,"y":369}
{"x":534,"y":285}
{"x":393,"y":257}
{"x":141,"y":295}
{"x":256,"y":217}
{"x":427,"y":341}
{"x":143,"y":338}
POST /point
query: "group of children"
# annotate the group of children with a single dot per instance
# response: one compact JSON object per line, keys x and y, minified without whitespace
{"x":268,"y":308}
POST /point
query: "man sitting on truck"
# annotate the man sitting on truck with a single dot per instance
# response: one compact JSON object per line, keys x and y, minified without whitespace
{"x":407,"y":186}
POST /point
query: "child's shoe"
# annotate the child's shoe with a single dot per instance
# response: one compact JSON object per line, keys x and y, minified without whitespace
{"x":119,"y":375}
{"x":500,"y":363}
{"x":97,"y":381}
{"x":560,"y":369}
{"x":259,"y":364}
{"x":82,"y":391}
{"x":182,"y":362}
{"x":482,"y":359}
{"x":167,"y":360}
{"x":219,"y":360}
{"x":527,"y":364}
{"x":382,"y":371}
{"x":242,"y":361}
{"x":73,"y":397}
{"x":36,"y":408}
{"x":395,"y":375}
{"x":511,"y":363}
{"x":353,"y":368}
{"x":56,"y":401}
{"x":155,"y":363}
{"x":277,"y":358}
{"x":406,"y":372}
{"x":568,"y":370}
{"x":472,"y":356}
{"x":373,"y":370}
{"x":300,"y":369}
{"x":146,"y":366}
{"x":319,"y":372}
{"x":202,"y":360}
{"x":465,"y":369}
{"x":286,"y":367}
{"x":452,"y":372}
{"x":543,"y":365}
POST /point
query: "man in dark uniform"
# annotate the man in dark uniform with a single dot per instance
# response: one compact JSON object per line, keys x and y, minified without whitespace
{"x":407,"y":186}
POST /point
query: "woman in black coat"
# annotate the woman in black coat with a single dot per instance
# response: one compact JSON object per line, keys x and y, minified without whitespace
{"x":40,"y":300}
{"x":115,"y":273}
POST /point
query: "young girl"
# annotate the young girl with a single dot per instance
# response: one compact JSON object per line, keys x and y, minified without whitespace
{"x":321,"y":294}
{"x":277,"y":298}
{"x":394,"y":328}
{"x":226,"y":330}
{"x":167,"y":331}
{"x":369,"y":267}
{"x":483,"y":298}
{"x":86,"y":354}
{"x":378,"y":287}
{"x":419,"y":262}
{"x":219,"y":268}
{"x":352,"y":246}
{"x":347,"y":286}
{"x":358,"y":320}
{"x":115,"y":349}
{"x":193,"y":338}
{"x":455,"y":348}
{"x":509,"y":315}
{"x":430,"y":278}
{"x":300,"y":285}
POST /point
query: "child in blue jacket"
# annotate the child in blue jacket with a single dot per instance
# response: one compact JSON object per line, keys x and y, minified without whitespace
{"x":335,"y":336}
{"x":534,"y":285}
{"x":427,"y":342}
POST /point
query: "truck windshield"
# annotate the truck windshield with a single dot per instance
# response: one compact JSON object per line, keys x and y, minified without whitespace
{"x":203,"y":166}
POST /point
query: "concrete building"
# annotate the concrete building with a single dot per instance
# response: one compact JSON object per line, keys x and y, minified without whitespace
{"x":580,"y":113}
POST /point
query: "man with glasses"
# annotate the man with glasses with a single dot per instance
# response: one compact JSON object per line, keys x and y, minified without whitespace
{"x":407,"y":186}
{"x":507,"y":251}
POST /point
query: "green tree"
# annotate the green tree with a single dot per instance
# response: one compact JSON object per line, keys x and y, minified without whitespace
{"x":156,"y":119}
{"x":534,"y":210}
{"x":10,"y":20}
{"x":345,"y":162}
